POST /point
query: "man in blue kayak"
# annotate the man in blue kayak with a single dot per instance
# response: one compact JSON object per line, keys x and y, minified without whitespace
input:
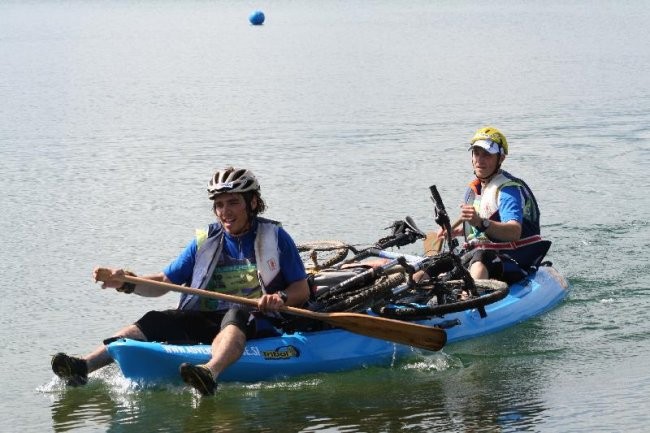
{"x":500,"y":215}
{"x":241,"y":254}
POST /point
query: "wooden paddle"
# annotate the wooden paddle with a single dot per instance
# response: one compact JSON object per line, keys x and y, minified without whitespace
{"x":397,"y":331}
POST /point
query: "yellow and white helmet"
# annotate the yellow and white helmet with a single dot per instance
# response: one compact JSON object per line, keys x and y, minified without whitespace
{"x":230,"y":179}
{"x":490,"y":139}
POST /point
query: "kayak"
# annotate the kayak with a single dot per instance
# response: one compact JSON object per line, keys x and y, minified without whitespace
{"x":336,"y":350}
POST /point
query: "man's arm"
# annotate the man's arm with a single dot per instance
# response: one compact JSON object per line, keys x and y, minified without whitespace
{"x":507,"y":232}
{"x":138,"y":289}
{"x":297,"y":293}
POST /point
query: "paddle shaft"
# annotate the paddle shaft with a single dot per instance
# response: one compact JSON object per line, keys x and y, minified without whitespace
{"x":397,"y":331}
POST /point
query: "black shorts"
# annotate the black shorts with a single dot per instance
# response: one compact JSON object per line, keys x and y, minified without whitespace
{"x":193,"y":327}
{"x":499,"y":266}
{"x":489,"y":258}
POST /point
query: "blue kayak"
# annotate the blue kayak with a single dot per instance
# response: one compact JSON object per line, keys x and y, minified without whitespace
{"x":336,"y":350}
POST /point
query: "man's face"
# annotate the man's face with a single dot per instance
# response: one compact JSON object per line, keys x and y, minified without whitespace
{"x":230,"y":209}
{"x":484,"y":163}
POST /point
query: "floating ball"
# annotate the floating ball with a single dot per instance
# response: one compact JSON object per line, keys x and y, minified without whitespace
{"x":256,"y":18}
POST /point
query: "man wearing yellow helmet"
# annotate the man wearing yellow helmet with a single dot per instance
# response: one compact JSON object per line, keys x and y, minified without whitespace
{"x":500,"y":215}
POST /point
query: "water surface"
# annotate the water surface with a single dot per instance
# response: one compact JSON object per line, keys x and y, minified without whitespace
{"x":114,"y":115}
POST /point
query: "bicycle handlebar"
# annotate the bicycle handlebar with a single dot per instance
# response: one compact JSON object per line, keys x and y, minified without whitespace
{"x":442,"y":219}
{"x":436,"y":198}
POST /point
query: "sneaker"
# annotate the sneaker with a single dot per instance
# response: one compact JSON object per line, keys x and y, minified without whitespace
{"x":73,"y":370}
{"x":198,"y":377}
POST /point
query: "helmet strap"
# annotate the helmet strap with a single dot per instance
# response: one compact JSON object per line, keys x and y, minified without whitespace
{"x":487,"y":178}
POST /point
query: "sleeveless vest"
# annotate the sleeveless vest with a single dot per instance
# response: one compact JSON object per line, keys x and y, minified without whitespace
{"x":530,"y":249}
{"x":210,"y":249}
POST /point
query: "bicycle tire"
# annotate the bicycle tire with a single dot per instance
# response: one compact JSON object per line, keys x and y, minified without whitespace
{"x":361,"y":278}
{"x":336,"y":251}
{"x":365,"y":296}
{"x":492,"y":291}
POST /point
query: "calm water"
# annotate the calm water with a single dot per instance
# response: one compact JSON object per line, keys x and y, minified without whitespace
{"x":114,"y":115}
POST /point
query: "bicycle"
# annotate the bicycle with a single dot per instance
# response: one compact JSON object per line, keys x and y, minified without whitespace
{"x":351,"y":285}
{"x":390,"y":289}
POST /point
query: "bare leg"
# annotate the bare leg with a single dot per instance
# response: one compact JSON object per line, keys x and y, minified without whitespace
{"x":227,"y":347}
{"x":99,"y":357}
{"x":478,"y":271}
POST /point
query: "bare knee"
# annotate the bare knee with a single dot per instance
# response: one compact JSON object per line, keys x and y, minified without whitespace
{"x":478,"y":271}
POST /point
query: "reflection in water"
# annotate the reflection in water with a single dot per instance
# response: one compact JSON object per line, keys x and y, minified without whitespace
{"x":75,"y":408}
{"x":465,"y":391}
{"x":90,"y":405}
{"x":120,"y":405}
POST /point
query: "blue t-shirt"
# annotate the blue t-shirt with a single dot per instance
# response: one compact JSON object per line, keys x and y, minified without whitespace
{"x":236,"y":251}
{"x":511,"y":204}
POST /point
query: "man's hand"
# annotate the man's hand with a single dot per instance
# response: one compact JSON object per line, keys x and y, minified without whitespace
{"x":270,"y":303}
{"x":110,"y":282}
{"x":469,"y":214}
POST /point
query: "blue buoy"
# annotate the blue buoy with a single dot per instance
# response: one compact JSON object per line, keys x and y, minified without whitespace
{"x":256,"y":18}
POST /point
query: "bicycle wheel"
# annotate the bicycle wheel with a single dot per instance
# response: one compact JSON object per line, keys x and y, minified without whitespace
{"x":489,"y":291}
{"x":318,"y":255}
{"x":364,"y":297}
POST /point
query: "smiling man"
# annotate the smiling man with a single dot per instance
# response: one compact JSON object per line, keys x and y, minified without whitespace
{"x":240,"y":254}
{"x":500,"y":215}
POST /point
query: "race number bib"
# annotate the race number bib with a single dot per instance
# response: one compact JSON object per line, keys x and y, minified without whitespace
{"x":238,"y":280}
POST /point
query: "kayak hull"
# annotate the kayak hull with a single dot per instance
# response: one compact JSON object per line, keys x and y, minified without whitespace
{"x":529,"y":298}
{"x":263,"y":359}
{"x":337,"y":350}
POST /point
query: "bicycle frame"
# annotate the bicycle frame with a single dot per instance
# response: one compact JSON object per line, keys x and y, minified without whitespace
{"x":405,"y":232}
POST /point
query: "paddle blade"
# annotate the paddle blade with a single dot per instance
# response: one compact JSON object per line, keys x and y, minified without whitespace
{"x":397,"y":331}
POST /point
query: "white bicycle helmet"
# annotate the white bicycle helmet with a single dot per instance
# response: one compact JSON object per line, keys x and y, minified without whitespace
{"x":230,"y":179}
